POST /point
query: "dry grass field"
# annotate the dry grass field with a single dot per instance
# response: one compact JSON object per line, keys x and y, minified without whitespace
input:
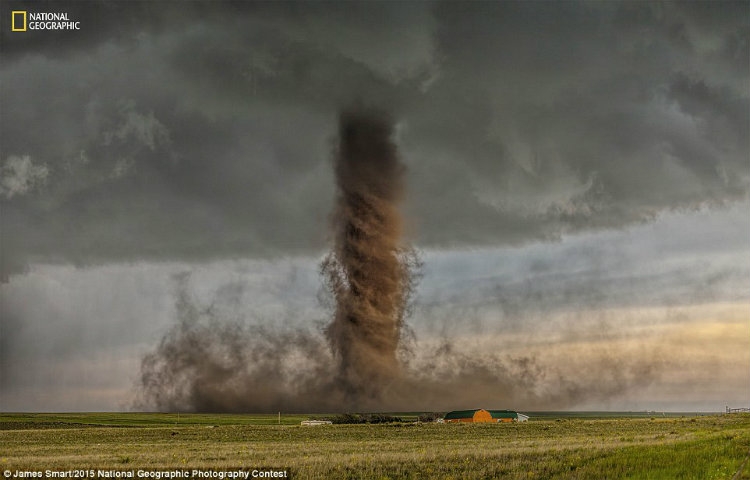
{"x":689,"y":447}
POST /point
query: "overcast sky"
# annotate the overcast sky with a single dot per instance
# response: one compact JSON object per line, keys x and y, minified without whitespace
{"x":578,"y":178}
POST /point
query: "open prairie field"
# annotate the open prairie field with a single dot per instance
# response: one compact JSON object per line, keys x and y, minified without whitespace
{"x":689,"y":447}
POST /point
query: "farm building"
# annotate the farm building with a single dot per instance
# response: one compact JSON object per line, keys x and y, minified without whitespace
{"x":312,"y":423}
{"x":484,"y":416}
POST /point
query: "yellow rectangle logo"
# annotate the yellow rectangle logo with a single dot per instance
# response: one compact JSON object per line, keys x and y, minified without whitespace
{"x":16,"y":26}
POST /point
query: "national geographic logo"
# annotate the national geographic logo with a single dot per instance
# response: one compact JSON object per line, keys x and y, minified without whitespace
{"x":21,"y":21}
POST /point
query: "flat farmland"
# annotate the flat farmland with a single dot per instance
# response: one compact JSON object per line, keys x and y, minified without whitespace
{"x":569,"y":446}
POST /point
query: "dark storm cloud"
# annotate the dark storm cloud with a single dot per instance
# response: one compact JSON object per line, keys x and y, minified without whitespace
{"x":202,"y":130}
{"x":155,"y":143}
{"x":576,"y":116}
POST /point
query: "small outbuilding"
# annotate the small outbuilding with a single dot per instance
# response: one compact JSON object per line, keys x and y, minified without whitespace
{"x":481,"y":415}
{"x":313,"y":423}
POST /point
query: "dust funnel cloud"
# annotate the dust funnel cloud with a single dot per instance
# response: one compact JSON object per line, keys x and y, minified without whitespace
{"x":363,"y":356}
{"x":204,"y":363}
{"x":369,"y":271}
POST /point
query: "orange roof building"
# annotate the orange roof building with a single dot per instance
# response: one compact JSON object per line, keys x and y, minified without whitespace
{"x":481,"y":415}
